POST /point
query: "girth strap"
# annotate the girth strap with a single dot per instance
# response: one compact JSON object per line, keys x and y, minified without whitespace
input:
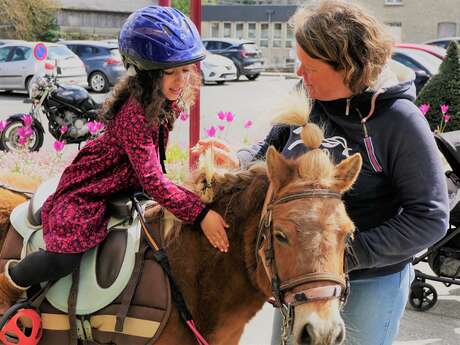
{"x":130,"y":290}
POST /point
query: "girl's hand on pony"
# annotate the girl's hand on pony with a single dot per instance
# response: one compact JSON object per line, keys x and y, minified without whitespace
{"x":214,"y":228}
{"x":223,"y":155}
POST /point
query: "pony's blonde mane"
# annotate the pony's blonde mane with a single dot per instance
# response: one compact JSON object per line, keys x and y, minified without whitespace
{"x":211,"y":183}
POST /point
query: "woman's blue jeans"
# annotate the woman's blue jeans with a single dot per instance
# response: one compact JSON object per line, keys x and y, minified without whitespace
{"x":373,"y":311}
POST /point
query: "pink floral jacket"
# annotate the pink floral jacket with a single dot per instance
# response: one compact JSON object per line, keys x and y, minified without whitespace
{"x":124,"y":158}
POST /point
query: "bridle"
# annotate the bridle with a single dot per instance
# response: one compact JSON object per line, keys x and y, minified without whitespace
{"x":283,"y":296}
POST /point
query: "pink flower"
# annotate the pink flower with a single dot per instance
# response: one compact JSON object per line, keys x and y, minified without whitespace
{"x":58,"y":145}
{"x":229,"y":116}
{"x":446,"y":118}
{"x":221,"y":115}
{"x":22,"y":140}
{"x":27,"y":120}
{"x":64,"y":129}
{"x":3,"y":124}
{"x":247,"y":124}
{"x":211,"y":131}
{"x":183,"y":116}
{"x":94,"y":126}
{"x":424,"y":108}
{"x":444,"y":108}
{"x":221,"y":128}
{"x":25,"y":132}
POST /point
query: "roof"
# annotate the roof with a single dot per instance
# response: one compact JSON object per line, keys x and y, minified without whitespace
{"x":232,"y":41}
{"x":123,"y":6}
{"x":441,"y":39}
{"x":30,"y":44}
{"x":247,"y":13}
{"x":89,"y":42}
{"x":434,"y":50}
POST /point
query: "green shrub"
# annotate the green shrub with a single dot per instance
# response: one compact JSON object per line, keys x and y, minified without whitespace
{"x":444,"y":89}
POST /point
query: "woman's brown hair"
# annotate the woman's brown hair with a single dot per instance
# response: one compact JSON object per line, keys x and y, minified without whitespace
{"x":145,"y":87}
{"x":347,"y":38}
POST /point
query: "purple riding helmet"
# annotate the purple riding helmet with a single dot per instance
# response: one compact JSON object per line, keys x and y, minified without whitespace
{"x":156,"y":37}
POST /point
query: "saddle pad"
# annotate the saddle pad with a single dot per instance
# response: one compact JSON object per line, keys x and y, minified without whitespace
{"x":91,"y":296}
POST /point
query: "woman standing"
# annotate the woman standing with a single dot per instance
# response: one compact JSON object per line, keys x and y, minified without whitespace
{"x":399,"y":202}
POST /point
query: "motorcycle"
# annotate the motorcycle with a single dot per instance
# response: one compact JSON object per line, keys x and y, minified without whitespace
{"x":68,"y":109}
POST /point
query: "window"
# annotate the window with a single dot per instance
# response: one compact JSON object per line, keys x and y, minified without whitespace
{"x":277,"y":35}
{"x":21,"y":54}
{"x":239,"y":30}
{"x":289,"y":36}
{"x":4,"y":52}
{"x":393,"y":2}
{"x":214,"y":29}
{"x":216,"y":45}
{"x":264,"y":35}
{"x":447,"y":29}
{"x":395,"y":28}
{"x":252,"y":31}
{"x":227,"y":29}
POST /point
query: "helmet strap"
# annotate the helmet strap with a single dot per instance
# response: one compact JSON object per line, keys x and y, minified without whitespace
{"x":132,"y":72}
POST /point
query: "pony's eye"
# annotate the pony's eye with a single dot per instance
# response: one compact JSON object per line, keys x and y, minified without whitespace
{"x":281,"y":237}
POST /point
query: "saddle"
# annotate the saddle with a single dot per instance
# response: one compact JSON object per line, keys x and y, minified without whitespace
{"x":108,"y":277}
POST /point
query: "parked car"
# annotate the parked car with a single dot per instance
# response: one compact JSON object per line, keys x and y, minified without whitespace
{"x":424,"y":64}
{"x":102,"y":61}
{"x":18,"y":65}
{"x":217,"y":68}
{"x":437,"y":51}
{"x":444,"y":41}
{"x":244,"y":54}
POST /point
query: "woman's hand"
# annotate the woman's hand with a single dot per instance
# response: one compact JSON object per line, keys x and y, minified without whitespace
{"x":223,"y":156}
{"x":214,"y":228}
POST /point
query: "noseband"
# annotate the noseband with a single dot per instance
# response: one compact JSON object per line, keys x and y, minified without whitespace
{"x":282,"y":289}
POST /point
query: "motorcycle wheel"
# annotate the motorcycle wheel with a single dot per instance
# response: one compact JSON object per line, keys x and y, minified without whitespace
{"x":9,"y":138}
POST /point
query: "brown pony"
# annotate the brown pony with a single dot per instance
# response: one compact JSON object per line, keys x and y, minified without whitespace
{"x":290,"y":208}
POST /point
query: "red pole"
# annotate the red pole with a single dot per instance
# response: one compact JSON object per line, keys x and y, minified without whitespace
{"x":194,"y":131}
{"x":164,"y":3}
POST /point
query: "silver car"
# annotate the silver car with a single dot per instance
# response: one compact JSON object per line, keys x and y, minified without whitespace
{"x":18,"y":65}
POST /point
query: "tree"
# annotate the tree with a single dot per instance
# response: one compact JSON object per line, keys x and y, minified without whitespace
{"x":443,"y":89}
{"x":30,"y":20}
{"x":181,"y":5}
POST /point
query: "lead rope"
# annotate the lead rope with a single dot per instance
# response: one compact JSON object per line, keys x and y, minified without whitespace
{"x":162,"y":259}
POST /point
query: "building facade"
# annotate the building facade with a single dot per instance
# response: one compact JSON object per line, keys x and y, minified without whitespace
{"x":99,"y":18}
{"x":267,"y":24}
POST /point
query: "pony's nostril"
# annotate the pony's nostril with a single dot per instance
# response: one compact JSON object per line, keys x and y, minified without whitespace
{"x":306,"y":336}
{"x":340,"y":337}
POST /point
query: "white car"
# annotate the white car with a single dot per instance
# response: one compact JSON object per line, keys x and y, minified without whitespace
{"x":217,"y":68}
{"x":18,"y":65}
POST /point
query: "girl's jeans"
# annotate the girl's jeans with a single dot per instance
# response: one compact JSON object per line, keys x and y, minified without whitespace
{"x":373,"y":310}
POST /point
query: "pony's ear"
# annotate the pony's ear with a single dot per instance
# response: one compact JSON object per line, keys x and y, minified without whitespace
{"x":346,"y":173}
{"x":279,"y":170}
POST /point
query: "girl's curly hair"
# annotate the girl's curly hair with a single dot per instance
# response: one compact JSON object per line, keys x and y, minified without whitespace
{"x":145,"y":87}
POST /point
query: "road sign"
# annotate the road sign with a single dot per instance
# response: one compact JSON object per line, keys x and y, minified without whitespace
{"x":40,"y":52}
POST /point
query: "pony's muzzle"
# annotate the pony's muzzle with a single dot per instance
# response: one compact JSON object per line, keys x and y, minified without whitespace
{"x":309,"y":335}
{"x":319,"y":324}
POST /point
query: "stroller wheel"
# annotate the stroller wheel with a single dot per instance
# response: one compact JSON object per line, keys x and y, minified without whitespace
{"x":422,"y":296}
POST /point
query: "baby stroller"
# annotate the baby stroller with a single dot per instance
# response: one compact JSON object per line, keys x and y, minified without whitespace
{"x":444,"y":256}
